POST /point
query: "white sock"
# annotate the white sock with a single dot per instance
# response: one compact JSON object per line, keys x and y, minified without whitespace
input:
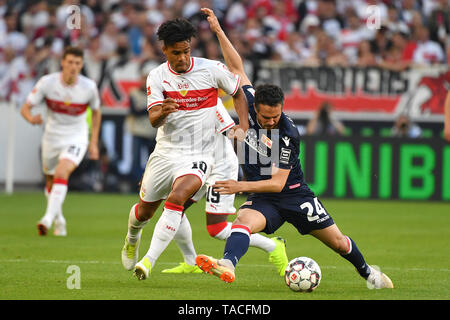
{"x":221,"y":230}
{"x":59,"y":218}
{"x":256,"y":240}
{"x":183,"y":238}
{"x":55,"y":201}
{"x":134,"y":225}
{"x":46,"y":192}
{"x":165,"y":230}
{"x":259,"y":241}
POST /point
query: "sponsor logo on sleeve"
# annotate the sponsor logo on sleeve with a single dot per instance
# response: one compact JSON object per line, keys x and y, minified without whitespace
{"x":285,"y":155}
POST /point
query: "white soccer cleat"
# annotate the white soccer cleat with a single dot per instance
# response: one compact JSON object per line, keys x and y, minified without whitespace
{"x":60,"y":229}
{"x":378,"y":280}
{"x":130,"y":253}
{"x":143,"y":269}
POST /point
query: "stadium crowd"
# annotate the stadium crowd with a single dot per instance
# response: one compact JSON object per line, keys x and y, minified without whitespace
{"x":309,"y":32}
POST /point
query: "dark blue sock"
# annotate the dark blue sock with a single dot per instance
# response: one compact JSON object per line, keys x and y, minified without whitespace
{"x":356,"y":258}
{"x":237,"y":244}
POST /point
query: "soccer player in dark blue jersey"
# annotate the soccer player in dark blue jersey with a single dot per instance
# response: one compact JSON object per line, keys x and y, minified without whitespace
{"x":275,"y":181}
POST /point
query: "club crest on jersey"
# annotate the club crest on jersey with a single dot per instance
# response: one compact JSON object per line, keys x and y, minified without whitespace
{"x":67,"y":100}
{"x":184,"y":88}
{"x":266,"y":141}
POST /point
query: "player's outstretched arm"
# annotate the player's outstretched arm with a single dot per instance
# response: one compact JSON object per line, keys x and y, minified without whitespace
{"x":231,"y":56}
{"x":241,"y":107}
{"x":274,"y":184}
{"x":447,"y":118}
{"x":25,"y":111}
{"x":95,"y":131}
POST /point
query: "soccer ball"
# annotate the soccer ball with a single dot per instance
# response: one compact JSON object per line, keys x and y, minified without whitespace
{"x":302,"y":274}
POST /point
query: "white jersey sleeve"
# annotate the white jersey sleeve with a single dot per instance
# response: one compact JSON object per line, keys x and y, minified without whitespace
{"x":37,"y":95}
{"x":226,"y":80}
{"x":155,"y":90}
{"x":223,"y":118}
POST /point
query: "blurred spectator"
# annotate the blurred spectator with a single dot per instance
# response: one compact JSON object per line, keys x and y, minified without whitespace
{"x":329,"y":20}
{"x":21,"y":75}
{"x":326,"y":52}
{"x":139,"y":126}
{"x":439,"y":23}
{"x":37,"y":15}
{"x":394,"y":23}
{"x":381,"y":43}
{"x":366,"y":58}
{"x":236,"y":14}
{"x":309,"y":28}
{"x":324,"y":123}
{"x":408,"y":9}
{"x":137,"y":18}
{"x":289,"y":30}
{"x":427,"y":52}
{"x":5,"y":77}
{"x":108,"y":40}
{"x":351,"y":36}
{"x":335,"y":56}
{"x":309,"y":32}
{"x":14,"y":38}
{"x":404,"y":128}
{"x":293,"y":49}
{"x":50,"y":34}
{"x":279,"y":23}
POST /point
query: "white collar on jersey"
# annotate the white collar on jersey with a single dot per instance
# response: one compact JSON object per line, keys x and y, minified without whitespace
{"x":177,"y":73}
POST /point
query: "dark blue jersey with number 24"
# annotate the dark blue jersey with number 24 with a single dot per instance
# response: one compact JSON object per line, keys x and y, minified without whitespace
{"x":278,"y":147}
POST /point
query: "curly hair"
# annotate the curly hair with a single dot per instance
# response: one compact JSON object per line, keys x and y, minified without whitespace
{"x":268,"y":94}
{"x":176,"y":30}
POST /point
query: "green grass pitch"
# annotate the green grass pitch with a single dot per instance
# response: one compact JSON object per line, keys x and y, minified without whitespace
{"x":408,"y":240}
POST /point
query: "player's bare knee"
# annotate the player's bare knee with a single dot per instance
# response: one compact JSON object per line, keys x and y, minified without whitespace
{"x":179,"y":196}
{"x":145,"y":211}
{"x":61,"y":173}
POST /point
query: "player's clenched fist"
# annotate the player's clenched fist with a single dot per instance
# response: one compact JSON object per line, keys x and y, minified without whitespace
{"x":169,"y":106}
{"x":159,"y":113}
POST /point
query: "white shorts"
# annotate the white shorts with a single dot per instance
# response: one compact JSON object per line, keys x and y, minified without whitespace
{"x":161,"y":172}
{"x":226,"y":167}
{"x":53,"y":151}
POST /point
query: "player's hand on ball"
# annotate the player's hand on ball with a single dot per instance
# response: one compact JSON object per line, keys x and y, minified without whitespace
{"x":226,"y":187}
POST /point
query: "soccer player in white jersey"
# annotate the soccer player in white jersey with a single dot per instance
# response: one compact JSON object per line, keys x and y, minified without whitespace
{"x":219,"y":207}
{"x":67,"y":95}
{"x":182,"y":98}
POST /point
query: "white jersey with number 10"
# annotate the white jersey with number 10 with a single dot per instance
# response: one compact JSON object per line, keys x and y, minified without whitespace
{"x":189,"y":131}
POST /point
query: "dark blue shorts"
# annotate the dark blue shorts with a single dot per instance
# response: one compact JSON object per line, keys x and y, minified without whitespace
{"x":303,"y":212}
